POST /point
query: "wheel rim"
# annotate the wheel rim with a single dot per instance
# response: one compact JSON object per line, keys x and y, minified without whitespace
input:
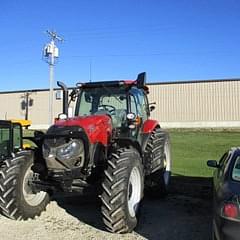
{"x":134,"y":191}
{"x":33,"y":199}
{"x":167,"y":163}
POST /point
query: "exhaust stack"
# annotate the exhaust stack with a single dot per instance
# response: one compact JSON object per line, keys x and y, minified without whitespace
{"x":65,"y":96}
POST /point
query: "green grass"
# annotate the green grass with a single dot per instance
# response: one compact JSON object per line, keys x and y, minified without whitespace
{"x":191,"y":149}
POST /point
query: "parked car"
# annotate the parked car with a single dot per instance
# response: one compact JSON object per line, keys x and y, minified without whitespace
{"x":226,"y":196}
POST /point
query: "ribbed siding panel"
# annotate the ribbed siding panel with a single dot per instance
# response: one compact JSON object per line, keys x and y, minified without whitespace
{"x":10,"y":105}
{"x":206,"y":101}
{"x":216,"y":101}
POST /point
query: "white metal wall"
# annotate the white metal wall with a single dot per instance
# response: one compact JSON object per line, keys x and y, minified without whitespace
{"x":214,"y":103}
{"x":10,"y":105}
{"x":189,"y":104}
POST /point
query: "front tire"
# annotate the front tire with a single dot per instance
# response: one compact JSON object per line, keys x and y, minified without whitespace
{"x":122,"y":191}
{"x":17,"y":201}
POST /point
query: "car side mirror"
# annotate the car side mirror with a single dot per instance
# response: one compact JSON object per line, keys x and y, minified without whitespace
{"x":152,"y":108}
{"x":212,"y":163}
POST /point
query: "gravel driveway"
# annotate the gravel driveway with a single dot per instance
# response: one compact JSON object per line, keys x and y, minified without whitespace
{"x":184,"y":215}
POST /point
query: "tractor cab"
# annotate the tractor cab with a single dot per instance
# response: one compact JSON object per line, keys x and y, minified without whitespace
{"x":125,"y":102}
{"x":10,"y":138}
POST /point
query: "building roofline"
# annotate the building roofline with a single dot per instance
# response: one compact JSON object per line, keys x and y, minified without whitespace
{"x":195,"y":81}
{"x":151,"y":83}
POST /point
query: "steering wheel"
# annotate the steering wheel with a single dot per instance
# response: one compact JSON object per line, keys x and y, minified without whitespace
{"x":108,"y":108}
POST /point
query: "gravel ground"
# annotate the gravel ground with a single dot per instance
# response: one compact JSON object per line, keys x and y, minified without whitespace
{"x":184,"y":215}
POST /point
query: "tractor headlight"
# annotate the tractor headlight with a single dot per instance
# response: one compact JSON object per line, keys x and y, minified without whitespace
{"x":72,"y":149}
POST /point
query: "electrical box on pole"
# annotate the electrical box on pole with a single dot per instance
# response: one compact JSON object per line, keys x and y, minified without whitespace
{"x":51,"y":53}
{"x":50,"y":49}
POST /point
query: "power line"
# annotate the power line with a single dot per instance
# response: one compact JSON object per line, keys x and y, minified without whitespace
{"x":202,"y":53}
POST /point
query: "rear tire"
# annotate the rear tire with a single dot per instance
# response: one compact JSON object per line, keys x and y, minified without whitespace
{"x":122,"y":191}
{"x":159,"y":164}
{"x":16,"y":198}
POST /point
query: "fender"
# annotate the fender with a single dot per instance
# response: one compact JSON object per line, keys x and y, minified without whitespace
{"x":149,"y":125}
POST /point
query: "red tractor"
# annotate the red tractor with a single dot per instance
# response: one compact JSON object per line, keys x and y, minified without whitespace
{"x":110,"y":144}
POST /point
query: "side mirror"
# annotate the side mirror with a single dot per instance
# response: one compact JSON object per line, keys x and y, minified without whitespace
{"x":152,"y":108}
{"x":212,"y":163}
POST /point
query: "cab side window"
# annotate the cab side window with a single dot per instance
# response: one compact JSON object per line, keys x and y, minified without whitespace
{"x":17,"y":137}
{"x":140,"y":103}
{"x":133,"y":105}
{"x":143,"y":106}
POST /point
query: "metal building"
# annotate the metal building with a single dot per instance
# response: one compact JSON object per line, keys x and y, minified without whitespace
{"x":213,"y":103}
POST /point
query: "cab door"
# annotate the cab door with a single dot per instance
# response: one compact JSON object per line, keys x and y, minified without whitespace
{"x":133,"y":109}
{"x":138,"y":106}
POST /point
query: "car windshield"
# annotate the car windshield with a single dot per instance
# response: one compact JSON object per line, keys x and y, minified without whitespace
{"x":103,"y":100}
{"x":236,"y":170}
{"x":4,"y":141}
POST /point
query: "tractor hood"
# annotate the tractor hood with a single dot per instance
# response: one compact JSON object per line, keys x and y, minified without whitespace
{"x":97,"y":127}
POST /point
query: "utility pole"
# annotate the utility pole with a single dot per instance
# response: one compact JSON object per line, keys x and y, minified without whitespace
{"x":51,"y":53}
{"x":26,"y":103}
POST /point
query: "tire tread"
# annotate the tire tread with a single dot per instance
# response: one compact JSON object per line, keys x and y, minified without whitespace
{"x":114,"y":206}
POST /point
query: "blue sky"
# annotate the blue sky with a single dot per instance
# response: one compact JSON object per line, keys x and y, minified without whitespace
{"x":170,"y":40}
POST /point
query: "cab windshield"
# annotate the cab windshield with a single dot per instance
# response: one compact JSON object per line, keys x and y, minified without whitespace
{"x":103,"y":100}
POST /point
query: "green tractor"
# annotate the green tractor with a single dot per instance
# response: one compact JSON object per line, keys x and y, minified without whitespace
{"x":15,"y":173}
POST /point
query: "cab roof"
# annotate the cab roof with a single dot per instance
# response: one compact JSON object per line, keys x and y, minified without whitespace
{"x":139,"y":83}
